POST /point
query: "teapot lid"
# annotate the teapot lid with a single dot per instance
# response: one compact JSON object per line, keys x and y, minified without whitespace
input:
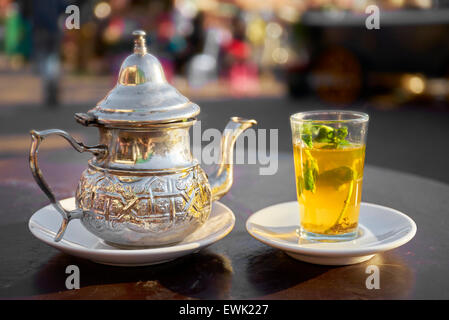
{"x":142,"y":95}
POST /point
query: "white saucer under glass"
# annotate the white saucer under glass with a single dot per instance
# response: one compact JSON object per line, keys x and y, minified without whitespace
{"x":380,"y":229}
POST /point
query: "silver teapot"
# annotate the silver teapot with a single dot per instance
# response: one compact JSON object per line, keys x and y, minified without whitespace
{"x":142,"y":187}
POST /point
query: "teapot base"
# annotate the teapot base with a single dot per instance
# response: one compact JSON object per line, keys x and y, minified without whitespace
{"x":136,"y":247}
{"x":142,"y":211}
{"x":129,"y":239}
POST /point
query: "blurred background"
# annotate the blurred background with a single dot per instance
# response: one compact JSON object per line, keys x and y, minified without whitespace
{"x":261,"y":59}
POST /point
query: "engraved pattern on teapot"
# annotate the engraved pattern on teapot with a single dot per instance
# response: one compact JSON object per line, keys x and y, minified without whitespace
{"x":145,"y":204}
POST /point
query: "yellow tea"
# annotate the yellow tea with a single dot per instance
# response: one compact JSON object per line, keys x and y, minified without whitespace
{"x":329,"y":186}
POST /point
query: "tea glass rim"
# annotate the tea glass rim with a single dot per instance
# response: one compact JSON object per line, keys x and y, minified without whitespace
{"x":354,"y":116}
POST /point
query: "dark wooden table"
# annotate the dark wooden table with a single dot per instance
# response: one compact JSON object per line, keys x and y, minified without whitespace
{"x":237,"y":267}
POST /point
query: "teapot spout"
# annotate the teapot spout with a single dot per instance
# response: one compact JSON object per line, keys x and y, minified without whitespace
{"x":221,"y":179}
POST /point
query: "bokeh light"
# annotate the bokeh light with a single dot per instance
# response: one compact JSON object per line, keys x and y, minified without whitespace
{"x":415,"y":84}
{"x":280,"y":55}
{"x":102,"y":10}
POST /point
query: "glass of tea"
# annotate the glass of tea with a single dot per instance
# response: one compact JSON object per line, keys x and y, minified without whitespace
{"x":329,"y":155}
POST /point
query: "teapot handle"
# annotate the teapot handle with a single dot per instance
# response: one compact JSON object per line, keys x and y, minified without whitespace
{"x":37,"y":137}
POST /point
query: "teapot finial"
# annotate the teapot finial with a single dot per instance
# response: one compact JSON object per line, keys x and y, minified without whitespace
{"x":139,"y":42}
